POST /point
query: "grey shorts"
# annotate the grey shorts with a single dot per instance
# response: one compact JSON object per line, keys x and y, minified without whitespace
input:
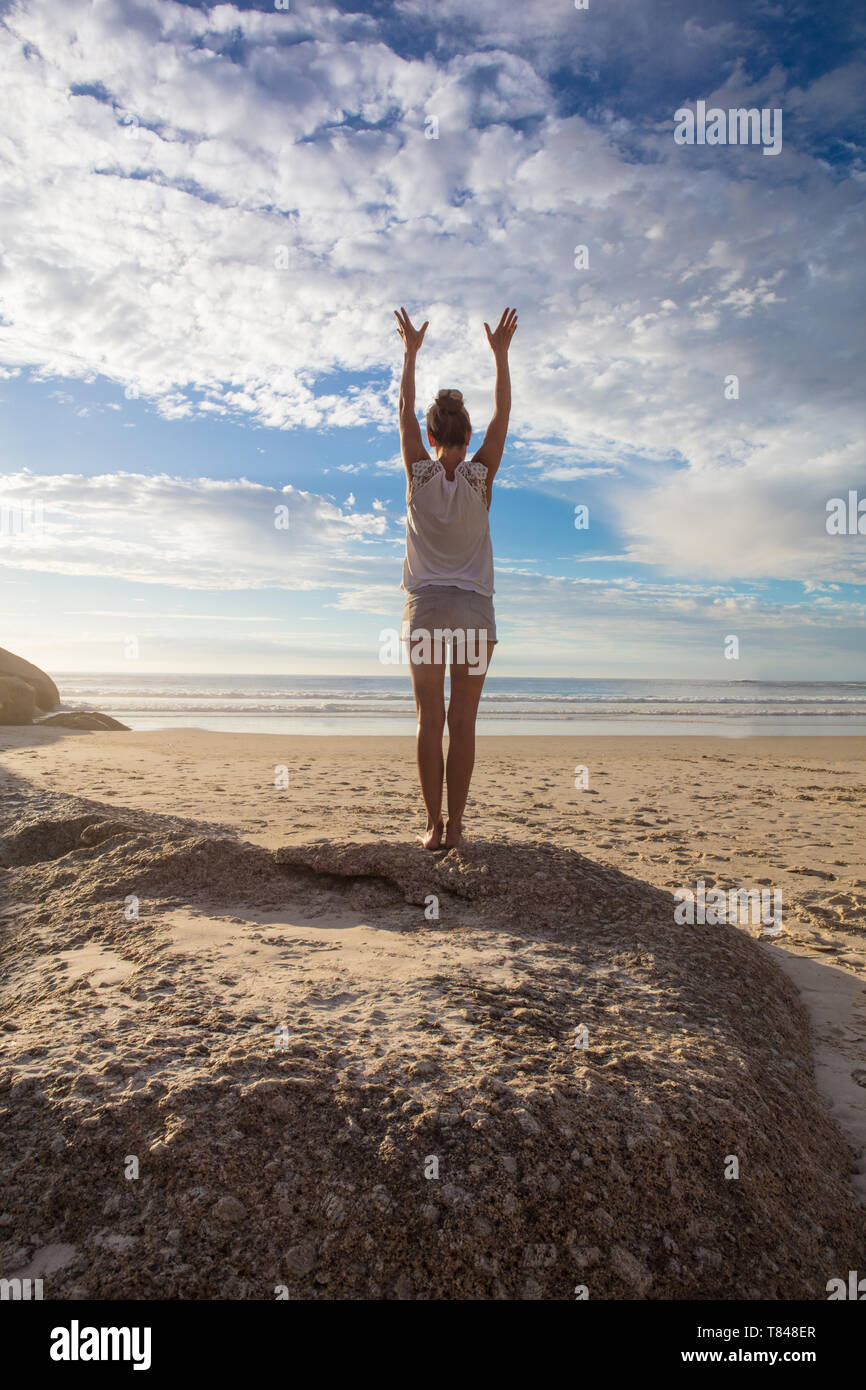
{"x":445,"y":608}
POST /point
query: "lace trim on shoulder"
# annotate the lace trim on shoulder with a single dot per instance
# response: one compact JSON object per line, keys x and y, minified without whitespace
{"x":475,"y":473}
{"x":422,"y":472}
{"x":472,"y":470}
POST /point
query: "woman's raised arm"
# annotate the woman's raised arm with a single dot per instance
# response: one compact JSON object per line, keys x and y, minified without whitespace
{"x":411,"y":443}
{"x":490,"y":453}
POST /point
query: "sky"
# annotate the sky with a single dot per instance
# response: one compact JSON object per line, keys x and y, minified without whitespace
{"x":208,"y":215}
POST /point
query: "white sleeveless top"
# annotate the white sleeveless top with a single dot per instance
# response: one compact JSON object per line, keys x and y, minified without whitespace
{"x":448,"y":528}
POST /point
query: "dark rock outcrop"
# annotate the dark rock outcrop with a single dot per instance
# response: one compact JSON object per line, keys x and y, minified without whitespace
{"x":26,"y":693}
{"x":17,"y":701}
{"x":81,"y":719}
{"x":46,"y":694}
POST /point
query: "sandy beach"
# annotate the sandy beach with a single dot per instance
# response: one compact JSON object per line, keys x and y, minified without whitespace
{"x":786,"y":811}
{"x":276,"y":887}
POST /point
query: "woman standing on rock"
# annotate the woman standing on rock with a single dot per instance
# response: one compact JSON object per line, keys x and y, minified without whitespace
{"x":448,"y":573}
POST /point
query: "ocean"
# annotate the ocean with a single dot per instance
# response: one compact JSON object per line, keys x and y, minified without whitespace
{"x":526,"y":705}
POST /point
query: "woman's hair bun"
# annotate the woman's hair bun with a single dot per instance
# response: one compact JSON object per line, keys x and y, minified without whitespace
{"x":448,"y":419}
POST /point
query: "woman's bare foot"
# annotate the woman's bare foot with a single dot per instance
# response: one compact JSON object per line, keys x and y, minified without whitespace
{"x":454,"y":834}
{"x":432,"y":839}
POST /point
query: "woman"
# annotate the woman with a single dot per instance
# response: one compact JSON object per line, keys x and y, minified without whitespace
{"x":448,"y":573}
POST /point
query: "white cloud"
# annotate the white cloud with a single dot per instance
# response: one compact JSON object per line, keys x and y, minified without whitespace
{"x":159,"y":156}
{"x":193,"y":533}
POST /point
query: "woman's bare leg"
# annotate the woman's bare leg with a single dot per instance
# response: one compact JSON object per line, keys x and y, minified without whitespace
{"x":462,"y":710}
{"x":428,"y":683}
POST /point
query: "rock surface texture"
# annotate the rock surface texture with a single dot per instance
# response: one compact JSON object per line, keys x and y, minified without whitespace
{"x":17,"y":701}
{"x":361,"y":1071}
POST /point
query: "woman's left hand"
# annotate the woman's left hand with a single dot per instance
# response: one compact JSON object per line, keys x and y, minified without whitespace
{"x":412,"y":337}
{"x":500,"y":338}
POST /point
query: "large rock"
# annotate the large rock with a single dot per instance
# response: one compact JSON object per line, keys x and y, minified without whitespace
{"x":84,"y":719}
{"x":17,"y":700}
{"x":46,"y":692}
{"x":365,"y":1072}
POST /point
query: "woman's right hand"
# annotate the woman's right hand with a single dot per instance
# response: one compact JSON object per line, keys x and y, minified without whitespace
{"x":500,"y":339}
{"x":412,"y":337}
